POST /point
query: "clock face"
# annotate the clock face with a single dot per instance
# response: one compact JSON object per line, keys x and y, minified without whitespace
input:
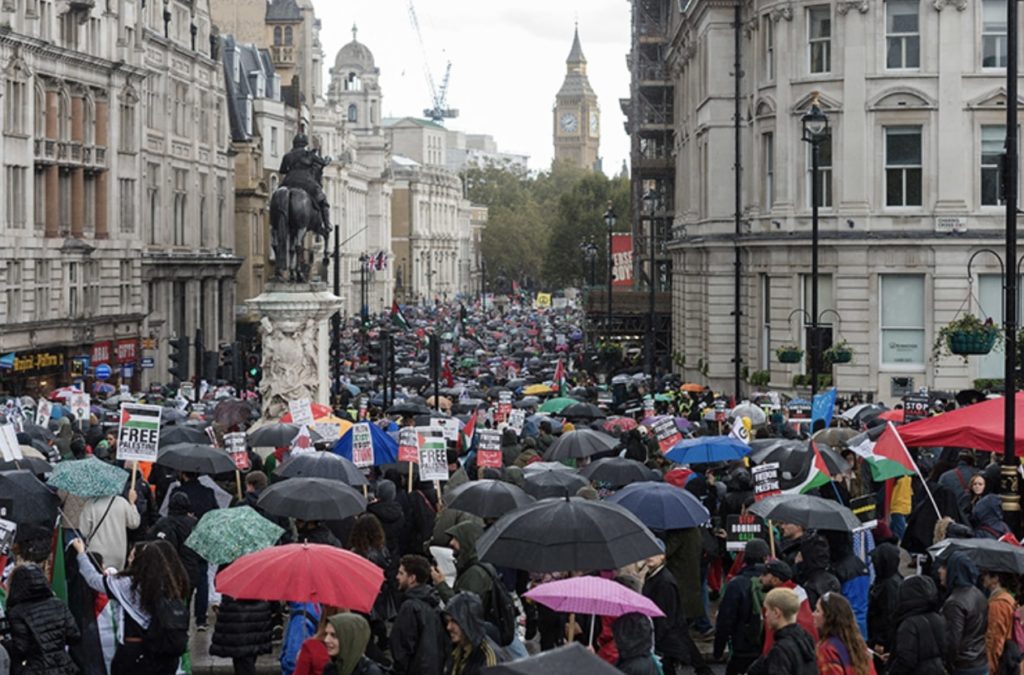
{"x":593,"y":123}
{"x":568,"y":122}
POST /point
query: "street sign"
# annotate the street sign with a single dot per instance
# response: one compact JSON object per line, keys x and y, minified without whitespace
{"x":148,"y":362}
{"x":102,"y":371}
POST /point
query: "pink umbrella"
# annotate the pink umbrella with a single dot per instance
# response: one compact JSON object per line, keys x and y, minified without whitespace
{"x":592,"y":595}
{"x":620,"y":423}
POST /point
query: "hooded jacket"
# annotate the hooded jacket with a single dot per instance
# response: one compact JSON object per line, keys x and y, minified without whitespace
{"x":1001,"y":608}
{"x":353,"y":633}
{"x":392,"y":519}
{"x":476,"y":652}
{"x":633,"y":633}
{"x":883,"y":598}
{"x":41,"y":626}
{"x":918,"y":648}
{"x":418,"y":638}
{"x":852,"y":573}
{"x":175,"y":528}
{"x":792,"y":653}
{"x":812,"y":572}
{"x":670,"y":631}
{"x":243,"y":628}
{"x":739,"y":622}
{"x":987,"y":518}
{"x":966,"y":613}
{"x":471,"y":575}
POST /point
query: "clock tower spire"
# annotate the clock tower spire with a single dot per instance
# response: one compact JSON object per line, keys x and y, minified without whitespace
{"x":577,"y":118}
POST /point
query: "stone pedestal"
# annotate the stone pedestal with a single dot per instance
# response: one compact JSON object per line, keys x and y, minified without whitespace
{"x":295,"y":330}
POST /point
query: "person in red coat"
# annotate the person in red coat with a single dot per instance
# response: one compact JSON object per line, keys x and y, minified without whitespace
{"x":313,"y":656}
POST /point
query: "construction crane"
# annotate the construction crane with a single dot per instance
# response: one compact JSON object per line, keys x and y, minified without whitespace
{"x":438,"y":111}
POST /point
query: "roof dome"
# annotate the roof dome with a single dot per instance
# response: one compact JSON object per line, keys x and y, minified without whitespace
{"x":354,"y":54}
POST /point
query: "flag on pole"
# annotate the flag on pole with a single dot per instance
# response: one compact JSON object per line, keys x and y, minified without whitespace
{"x":816,"y":477}
{"x":397,"y":318}
{"x":823,"y":407}
{"x":465,"y":441}
{"x":741,"y":429}
{"x":561,"y":386}
{"x":446,"y":374}
{"x":882,"y":450}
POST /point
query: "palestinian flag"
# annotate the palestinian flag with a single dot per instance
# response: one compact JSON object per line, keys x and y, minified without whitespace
{"x":883,"y":450}
{"x":817,"y":476}
{"x":397,"y":318}
{"x":139,"y":418}
{"x":560,"y":383}
{"x":465,"y":441}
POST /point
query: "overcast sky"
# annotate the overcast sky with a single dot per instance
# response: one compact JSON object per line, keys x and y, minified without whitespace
{"x":508,"y":61}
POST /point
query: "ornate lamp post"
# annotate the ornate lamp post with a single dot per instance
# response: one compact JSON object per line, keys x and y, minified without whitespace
{"x":609,"y":221}
{"x":815,"y":132}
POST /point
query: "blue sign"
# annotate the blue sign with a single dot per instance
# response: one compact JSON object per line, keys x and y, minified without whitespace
{"x":102,"y":372}
{"x":128,"y":370}
{"x":147,"y":362}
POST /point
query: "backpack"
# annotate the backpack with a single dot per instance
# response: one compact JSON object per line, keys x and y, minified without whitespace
{"x":501,"y":608}
{"x":753,"y":627}
{"x":1013,"y":649}
{"x":167,"y":634}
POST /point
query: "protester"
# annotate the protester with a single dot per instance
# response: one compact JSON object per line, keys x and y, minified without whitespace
{"x":672,"y":641}
{"x":966,"y":614}
{"x":841,"y":649}
{"x":346,"y":637}
{"x":367,"y":540}
{"x":41,"y":626}
{"x":472,"y":650}
{"x":104,"y":523}
{"x":633,"y":635}
{"x":793,"y":652}
{"x":389,"y":512}
{"x":812,"y":572}
{"x":920,"y":630}
{"x":175,"y":528}
{"x":418,"y":640}
{"x":313,"y":656}
{"x":792,"y":542}
{"x":471,"y":574}
{"x":777,"y":574}
{"x":852,"y":574}
{"x":739,"y":625}
{"x":242,"y":632}
{"x":1001,"y":610}
{"x":883,"y":598}
{"x":987,"y":517}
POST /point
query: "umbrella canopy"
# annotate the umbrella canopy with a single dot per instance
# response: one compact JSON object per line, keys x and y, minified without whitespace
{"x":537,"y":390}
{"x":37,"y":432}
{"x":540,"y":467}
{"x":567,"y":534}
{"x":582,"y":411}
{"x":224,"y":535}
{"x":556,"y":405}
{"x":757,"y":416}
{"x":232,"y":412}
{"x":811,"y":513}
{"x":409,"y":409}
{"x":195,"y":458}
{"x":592,"y":595}
{"x":385,"y":448}
{"x":304,"y":573}
{"x":616,"y":471}
{"x":619,"y":424}
{"x":36,"y":465}
{"x":892,"y":416}
{"x":553,"y":483}
{"x":835,"y":436}
{"x":89,"y":477}
{"x":572,"y":658}
{"x":795,"y":458}
{"x":488,"y":498}
{"x":978,"y":426}
{"x":414,"y":381}
{"x":662,"y":506}
{"x":31,"y":504}
{"x":989,"y":555}
{"x":176,"y":435}
{"x":708,"y":449}
{"x":321,"y":465}
{"x":580,"y":443}
{"x":273,"y":435}
{"x":311,"y":499}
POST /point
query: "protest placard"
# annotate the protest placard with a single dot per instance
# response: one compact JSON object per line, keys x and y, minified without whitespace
{"x":504,"y":405}
{"x":327,"y":431}
{"x":43,"y":411}
{"x":741,"y":529}
{"x":235,"y":445}
{"x":488,"y":453}
{"x":915,"y":407}
{"x":7,"y":531}
{"x":408,"y":445}
{"x":648,"y":407}
{"x":667,"y":433}
{"x":517,"y":419}
{"x":138,"y":435}
{"x":362,"y":445}
{"x":80,"y":407}
{"x":766,"y":480}
{"x":302,"y":412}
{"x":433,"y":460}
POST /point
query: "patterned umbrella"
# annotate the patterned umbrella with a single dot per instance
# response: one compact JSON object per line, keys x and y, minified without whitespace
{"x":224,"y":535}
{"x":88,"y":477}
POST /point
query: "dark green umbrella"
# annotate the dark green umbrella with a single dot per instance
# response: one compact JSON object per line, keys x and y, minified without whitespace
{"x":89,"y":477}
{"x":224,"y":535}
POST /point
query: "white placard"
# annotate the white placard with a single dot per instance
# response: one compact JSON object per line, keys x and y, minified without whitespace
{"x":327,"y":430}
{"x":302,"y":412}
{"x":138,"y":435}
{"x":362,"y":445}
{"x":451,"y":429}
{"x":9,"y":446}
{"x":9,"y":528}
{"x":43,"y":411}
{"x":80,"y":407}
{"x":517,"y":419}
{"x":433,"y":460}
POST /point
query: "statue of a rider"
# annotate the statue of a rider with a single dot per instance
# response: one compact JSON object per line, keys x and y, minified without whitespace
{"x":301,"y":168}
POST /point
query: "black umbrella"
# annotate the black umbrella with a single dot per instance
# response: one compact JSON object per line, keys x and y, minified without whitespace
{"x":969,"y":397}
{"x":182,"y":434}
{"x":544,"y":484}
{"x":312,"y":499}
{"x":990,"y":555}
{"x":34,"y":464}
{"x":37,"y":432}
{"x":26,"y":501}
{"x":811,"y":513}
{"x":580,"y":443}
{"x":195,"y":458}
{"x":321,"y":465}
{"x":567,"y":534}
{"x":572,"y":658}
{"x":795,"y":459}
{"x":582,"y":411}
{"x":488,"y":498}
{"x":616,"y":471}
{"x":408,"y":409}
{"x":276,"y":435}
{"x":232,"y":412}
{"x":415,"y":381}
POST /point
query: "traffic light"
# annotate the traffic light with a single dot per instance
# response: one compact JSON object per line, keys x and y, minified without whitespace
{"x":253,"y":368}
{"x":178,"y":359}
{"x":211,"y":364}
{"x":230,"y":362}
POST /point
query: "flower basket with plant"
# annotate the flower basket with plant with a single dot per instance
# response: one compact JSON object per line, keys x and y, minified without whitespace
{"x":789,"y":354}
{"x":840,"y":352}
{"x":967,"y":335}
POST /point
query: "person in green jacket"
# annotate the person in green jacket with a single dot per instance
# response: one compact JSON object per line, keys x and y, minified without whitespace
{"x":470,"y":574}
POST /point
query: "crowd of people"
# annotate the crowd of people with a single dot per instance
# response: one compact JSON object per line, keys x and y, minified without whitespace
{"x":118,"y":590}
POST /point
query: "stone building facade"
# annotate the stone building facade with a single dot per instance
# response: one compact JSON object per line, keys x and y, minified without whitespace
{"x":909,"y":181}
{"x":116,"y":222}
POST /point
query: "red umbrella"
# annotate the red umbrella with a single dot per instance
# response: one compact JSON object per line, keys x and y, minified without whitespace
{"x":304,"y":573}
{"x":895,"y":415}
{"x":620,"y":423}
{"x":319,"y":410}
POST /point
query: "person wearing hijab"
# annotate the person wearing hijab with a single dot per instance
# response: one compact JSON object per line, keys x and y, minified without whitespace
{"x":346,"y":637}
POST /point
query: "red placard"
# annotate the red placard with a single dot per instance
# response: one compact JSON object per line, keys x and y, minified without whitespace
{"x":622,"y":259}
{"x":409,"y":445}
{"x":489,"y":458}
{"x":667,"y":433}
{"x":488,"y":452}
{"x":101,"y":352}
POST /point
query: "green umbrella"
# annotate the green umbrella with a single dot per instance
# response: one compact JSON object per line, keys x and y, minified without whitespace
{"x":88,"y":477}
{"x":224,"y":535}
{"x":468,"y":362}
{"x":557,"y":405}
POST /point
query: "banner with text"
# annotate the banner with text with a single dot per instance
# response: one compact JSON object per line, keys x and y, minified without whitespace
{"x":138,"y":435}
{"x":622,"y":260}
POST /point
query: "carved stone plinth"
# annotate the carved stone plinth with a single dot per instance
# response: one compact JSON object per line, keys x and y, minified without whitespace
{"x":296,"y":337}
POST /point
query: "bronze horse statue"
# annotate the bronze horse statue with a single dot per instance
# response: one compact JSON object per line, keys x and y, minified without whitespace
{"x":292,"y":215}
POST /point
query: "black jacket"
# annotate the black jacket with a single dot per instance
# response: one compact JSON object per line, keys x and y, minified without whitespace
{"x":813,"y":571}
{"x":966,"y":614}
{"x":632,"y":633}
{"x":175,"y":528}
{"x":200,"y":497}
{"x":662,"y":589}
{"x":883,"y":597}
{"x":738,"y":622}
{"x":365,"y":666}
{"x":920,"y":630}
{"x":792,"y":653}
{"x":393,"y":521}
{"x":243,"y":628}
{"x":419,"y":641}
{"x":41,"y":626}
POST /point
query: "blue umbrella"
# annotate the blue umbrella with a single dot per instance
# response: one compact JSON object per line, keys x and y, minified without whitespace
{"x":385,"y":448}
{"x":661,"y":506}
{"x":707,"y":449}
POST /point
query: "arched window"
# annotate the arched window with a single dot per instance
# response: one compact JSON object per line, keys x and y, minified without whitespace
{"x":353,"y":113}
{"x":287,"y":35}
{"x":40,"y":116}
{"x":277,"y":36}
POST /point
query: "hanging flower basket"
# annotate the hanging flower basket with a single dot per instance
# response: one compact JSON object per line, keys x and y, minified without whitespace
{"x":789,"y":354}
{"x":839,"y":353}
{"x":964,"y":343}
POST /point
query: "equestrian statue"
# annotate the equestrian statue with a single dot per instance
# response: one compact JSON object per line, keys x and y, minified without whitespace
{"x":297,"y":207}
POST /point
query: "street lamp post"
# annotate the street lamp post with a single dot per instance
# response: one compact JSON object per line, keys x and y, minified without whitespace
{"x":1008,"y":483}
{"x":650,"y":205}
{"x":336,"y":321}
{"x":815,"y":132}
{"x":363,"y":295}
{"x":609,"y":221}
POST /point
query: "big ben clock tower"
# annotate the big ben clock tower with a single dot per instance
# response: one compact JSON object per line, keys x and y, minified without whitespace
{"x":577,"y":119}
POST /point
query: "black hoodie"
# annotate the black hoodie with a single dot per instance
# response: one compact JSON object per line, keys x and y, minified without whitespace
{"x":392,"y":519}
{"x":812,"y":571}
{"x":792,"y":653}
{"x":883,"y":597}
{"x":419,"y":642}
{"x":634,"y":637}
{"x":41,"y":626}
{"x":920,"y":629}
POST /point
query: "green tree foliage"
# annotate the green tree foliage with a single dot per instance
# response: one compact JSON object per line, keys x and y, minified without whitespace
{"x":538,"y":223}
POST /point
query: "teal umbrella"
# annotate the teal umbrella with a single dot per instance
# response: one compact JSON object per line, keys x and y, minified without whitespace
{"x":88,"y":477}
{"x":224,"y":535}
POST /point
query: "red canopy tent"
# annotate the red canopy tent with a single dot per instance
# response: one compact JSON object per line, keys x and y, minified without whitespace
{"x":978,"y":426}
